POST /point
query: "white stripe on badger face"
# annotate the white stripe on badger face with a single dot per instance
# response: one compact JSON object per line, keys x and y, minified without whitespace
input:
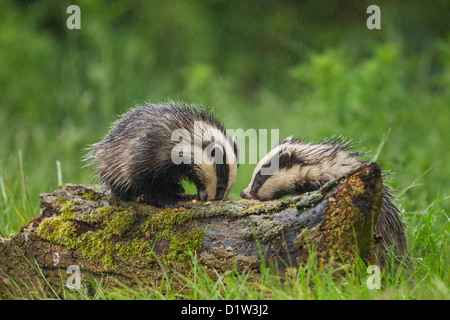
{"x":276,"y":150}
{"x":209,"y":178}
{"x":231,"y":160}
{"x":202,"y":157}
{"x":206,"y":173}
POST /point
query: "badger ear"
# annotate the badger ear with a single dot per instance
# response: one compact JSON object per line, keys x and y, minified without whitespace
{"x":285,"y":159}
{"x":288,"y":139}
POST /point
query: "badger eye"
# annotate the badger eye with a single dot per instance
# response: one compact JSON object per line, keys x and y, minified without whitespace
{"x":258,"y":183}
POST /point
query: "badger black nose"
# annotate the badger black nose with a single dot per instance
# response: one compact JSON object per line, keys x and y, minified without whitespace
{"x":242,"y":194}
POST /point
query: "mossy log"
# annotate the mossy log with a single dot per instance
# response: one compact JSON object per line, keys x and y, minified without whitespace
{"x":135,"y":243}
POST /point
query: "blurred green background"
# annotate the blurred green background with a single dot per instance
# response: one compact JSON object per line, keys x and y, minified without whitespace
{"x":308,"y":68}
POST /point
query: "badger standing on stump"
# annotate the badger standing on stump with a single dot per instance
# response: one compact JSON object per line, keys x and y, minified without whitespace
{"x":151,"y":149}
{"x":304,"y":167}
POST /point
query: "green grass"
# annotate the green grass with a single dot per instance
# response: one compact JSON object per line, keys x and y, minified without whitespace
{"x":280,"y":67}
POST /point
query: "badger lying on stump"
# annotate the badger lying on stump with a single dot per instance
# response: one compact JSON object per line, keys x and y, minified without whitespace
{"x":304,"y":167}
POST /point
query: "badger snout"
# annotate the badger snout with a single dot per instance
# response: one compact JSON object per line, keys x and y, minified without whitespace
{"x":245,"y":194}
{"x":203,"y":195}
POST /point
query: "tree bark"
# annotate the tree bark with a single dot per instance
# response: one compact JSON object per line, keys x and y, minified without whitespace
{"x":135,"y":243}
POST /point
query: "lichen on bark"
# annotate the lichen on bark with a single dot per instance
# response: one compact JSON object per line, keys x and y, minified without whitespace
{"x":115,"y":232}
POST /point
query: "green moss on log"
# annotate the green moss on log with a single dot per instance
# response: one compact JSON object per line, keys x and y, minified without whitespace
{"x":138,"y":232}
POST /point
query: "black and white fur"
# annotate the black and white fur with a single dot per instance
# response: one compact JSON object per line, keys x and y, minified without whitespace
{"x":135,"y":158}
{"x":305,"y":167}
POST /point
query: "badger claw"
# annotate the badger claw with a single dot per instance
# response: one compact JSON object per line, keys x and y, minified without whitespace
{"x":141,"y":198}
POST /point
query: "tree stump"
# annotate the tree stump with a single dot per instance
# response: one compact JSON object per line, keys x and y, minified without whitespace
{"x":83,"y":226}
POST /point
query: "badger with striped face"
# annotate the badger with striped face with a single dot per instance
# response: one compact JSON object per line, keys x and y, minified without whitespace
{"x":302,"y":167}
{"x":151,"y":149}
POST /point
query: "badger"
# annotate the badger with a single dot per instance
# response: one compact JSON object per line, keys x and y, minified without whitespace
{"x":304,"y":167}
{"x":152,"y":148}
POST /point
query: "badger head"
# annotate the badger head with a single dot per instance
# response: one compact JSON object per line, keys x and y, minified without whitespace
{"x":294,"y":167}
{"x":215,"y":165}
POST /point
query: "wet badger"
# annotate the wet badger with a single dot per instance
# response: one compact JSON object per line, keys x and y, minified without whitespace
{"x":151,"y":149}
{"x":305,"y":167}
